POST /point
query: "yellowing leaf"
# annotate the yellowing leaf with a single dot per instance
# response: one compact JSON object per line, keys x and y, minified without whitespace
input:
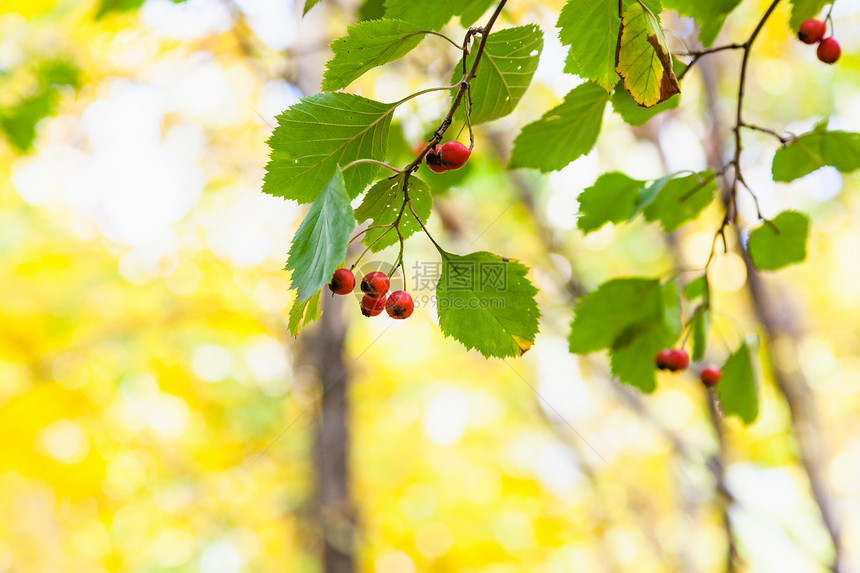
{"x":642,"y":58}
{"x":523,"y":344}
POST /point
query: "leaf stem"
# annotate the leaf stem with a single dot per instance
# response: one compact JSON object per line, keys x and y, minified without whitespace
{"x":452,"y":42}
{"x":442,"y":251}
{"x":422,"y":92}
{"x":364,"y":231}
{"x":374,"y":161}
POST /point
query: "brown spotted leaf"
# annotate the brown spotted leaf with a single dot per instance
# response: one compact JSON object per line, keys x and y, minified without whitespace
{"x":642,"y":58}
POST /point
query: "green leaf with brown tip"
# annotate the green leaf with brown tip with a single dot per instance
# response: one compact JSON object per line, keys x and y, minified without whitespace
{"x":642,"y":58}
{"x":590,"y":28}
{"x":485,"y":302}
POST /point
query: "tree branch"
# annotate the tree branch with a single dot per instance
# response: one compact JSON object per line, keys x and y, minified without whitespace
{"x":790,"y":382}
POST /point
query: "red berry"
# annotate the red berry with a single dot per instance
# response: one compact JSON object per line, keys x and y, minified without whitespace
{"x":454,"y":154}
{"x":812,"y":31}
{"x":829,"y":50}
{"x":342,"y":282}
{"x":678,"y":360}
{"x":434,"y":162}
{"x":672,"y":359}
{"x":375,"y":284}
{"x":711,"y":376}
{"x":372,"y":306}
{"x":399,"y":305}
{"x":662,"y":359}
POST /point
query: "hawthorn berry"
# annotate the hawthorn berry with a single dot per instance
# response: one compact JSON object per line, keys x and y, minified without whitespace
{"x":829,"y":50}
{"x":434,"y":162}
{"x":454,"y":154}
{"x":375,"y":284}
{"x":679,"y":360}
{"x":662,"y":359}
{"x":673,"y":359}
{"x":371,"y":305}
{"x":811,"y":31}
{"x":399,"y":305}
{"x":711,"y":375}
{"x":342,"y":282}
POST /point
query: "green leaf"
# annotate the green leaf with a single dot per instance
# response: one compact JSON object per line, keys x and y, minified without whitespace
{"x":699,"y":329}
{"x":570,"y":65}
{"x":737,"y":390}
{"x":681,"y":199}
{"x":642,"y":58}
{"x":634,"y":114}
{"x":485,"y":302}
{"x":319,"y":244}
{"x":590,"y":28}
{"x":710,"y":15}
{"x":366,"y":46}
{"x":429,"y":15}
{"x":474,"y":9}
{"x":564,"y":133}
{"x":606,"y":313}
{"x":304,"y":312}
{"x":612,"y":199}
{"x":309,"y":4}
{"x":649,"y":192}
{"x":696,"y":288}
{"x":780,"y":242}
{"x":634,"y":318}
{"x":317,"y":134}
{"x":509,"y":62}
{"x":371,"y":10}
{"x":672,"y":309}
{"x":383,"y":202}
{"x":802,"y":10}
{"x":814,"y":150}
{"x":632,"y":356}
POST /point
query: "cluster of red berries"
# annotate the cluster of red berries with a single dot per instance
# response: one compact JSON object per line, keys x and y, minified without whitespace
{"x":375,"y":286}
{"x":676,"y":359}
{"x":811,"y":32}
{"x":451,"y":155}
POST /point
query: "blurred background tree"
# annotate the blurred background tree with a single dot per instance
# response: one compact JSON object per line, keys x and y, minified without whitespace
{"x":159,"y":417}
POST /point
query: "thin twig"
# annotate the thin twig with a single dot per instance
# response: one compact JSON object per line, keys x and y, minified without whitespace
{"x":783,"y":139}
{"x":701,"y":53}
